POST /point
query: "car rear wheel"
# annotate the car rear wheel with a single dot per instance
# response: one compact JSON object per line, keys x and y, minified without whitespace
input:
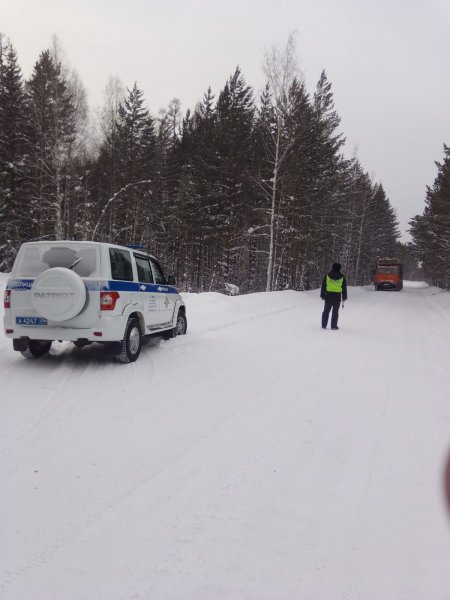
{"x":181,"y":326}
{"x":132,"y":342}
{"x":36,"y":348}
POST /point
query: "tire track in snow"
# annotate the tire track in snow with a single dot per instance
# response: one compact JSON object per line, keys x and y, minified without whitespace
{"x":67,"y":370}
{"x":270,"y":313}
{"x":74,"y":526}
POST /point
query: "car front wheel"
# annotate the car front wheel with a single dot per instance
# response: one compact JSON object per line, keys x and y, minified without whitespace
{"x":132,"y":342}
{"x":179,"y":329}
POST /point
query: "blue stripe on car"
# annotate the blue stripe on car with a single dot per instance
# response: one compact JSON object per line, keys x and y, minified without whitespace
{"x":132,"y":286}
{"x":103,"y":285}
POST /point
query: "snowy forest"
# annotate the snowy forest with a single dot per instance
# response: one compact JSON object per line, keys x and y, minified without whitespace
{"x":431,"y":230}
{"x":243,"y":193}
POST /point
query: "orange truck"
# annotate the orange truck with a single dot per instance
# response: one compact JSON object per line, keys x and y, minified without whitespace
{"x":388,"y":274}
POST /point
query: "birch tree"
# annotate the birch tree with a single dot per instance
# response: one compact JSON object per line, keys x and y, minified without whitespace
{"x":280,"y":68}
{"x":106,"y":172}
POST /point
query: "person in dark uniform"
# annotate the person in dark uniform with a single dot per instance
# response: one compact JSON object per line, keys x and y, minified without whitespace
{"x":334,"y":286}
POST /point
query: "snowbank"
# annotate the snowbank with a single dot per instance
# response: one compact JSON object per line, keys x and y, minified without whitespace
{"x":415,"y":284}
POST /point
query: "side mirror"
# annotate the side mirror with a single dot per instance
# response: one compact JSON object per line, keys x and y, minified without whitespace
{"x":171,"y":280}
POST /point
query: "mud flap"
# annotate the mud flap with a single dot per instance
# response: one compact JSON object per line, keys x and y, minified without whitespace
{"x":20,"y":344}
{"x":113,"y":348}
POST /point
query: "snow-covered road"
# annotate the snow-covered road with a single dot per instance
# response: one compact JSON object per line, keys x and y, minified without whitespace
{"x":258,"y":458}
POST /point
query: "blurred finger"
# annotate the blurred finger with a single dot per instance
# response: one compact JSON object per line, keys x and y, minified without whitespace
{"x":447,"y":482}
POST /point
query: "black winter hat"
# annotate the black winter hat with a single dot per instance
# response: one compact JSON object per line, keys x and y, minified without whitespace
{"x":336,"y":267}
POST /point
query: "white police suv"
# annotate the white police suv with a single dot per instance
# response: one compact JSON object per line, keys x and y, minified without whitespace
{"x":89,"y":292}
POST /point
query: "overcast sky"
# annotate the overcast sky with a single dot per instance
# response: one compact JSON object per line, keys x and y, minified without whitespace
{"x":388,"y":62}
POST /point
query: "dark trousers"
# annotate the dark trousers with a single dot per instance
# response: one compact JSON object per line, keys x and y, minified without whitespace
{"x":332,"y":303}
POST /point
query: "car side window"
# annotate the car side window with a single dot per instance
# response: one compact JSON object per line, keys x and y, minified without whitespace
{"x":144,"y":270}
{"x":158,"y":273}
{"x":121,"y":268}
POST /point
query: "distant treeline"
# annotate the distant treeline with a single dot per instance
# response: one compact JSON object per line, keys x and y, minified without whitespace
{"x":243,"y":192}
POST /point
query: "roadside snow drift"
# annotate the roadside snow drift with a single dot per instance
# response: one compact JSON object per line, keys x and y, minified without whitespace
{"x":258,"y":457}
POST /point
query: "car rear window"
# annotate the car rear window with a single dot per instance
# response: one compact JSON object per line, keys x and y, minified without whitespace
{"x":33,"y":259}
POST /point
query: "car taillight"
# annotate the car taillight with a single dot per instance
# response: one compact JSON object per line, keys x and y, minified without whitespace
{"x":7,"y":299}
{"x":108,"y":300}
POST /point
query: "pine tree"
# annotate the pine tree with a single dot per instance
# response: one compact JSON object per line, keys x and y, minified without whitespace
{"x":135,"y":146}
{"x":195,"y":198}
{"x":13,"y":207}
{"x":297,"y":220}
{"x":50,"y":137}
{"x":431,"y":230}
{"x":235,"y":117}
{"x":311,"y":195}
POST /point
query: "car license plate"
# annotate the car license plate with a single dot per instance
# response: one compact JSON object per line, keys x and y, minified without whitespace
{"x":31,"y":321}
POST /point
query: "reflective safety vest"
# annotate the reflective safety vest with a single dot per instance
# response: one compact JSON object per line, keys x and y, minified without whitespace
{"x":334,"y":285}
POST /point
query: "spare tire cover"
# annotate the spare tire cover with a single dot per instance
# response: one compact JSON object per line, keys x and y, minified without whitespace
{"x":58,"y":294}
